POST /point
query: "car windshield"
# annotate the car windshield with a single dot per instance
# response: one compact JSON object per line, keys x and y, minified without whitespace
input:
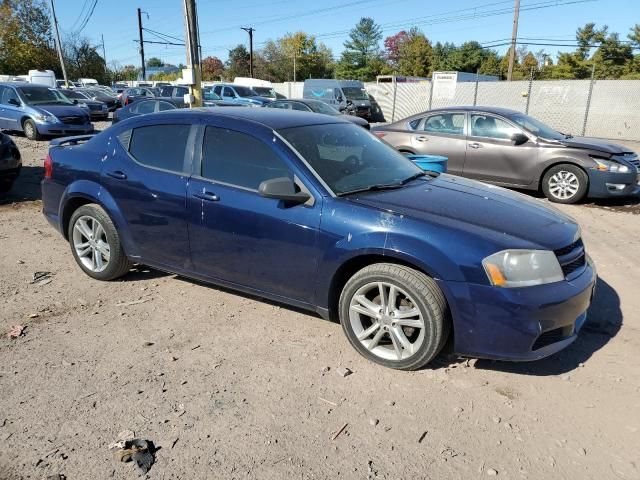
{"x":265,"y":92}
{"x":44,"y":96}
{"x":355,"y":93}
{"x":211,"y":95}
{"x":536,"y":127}
{"x":245,"y":91}
{"x":321,"y":107}
{"x":72,"y":94}
{"x":350,"y":159}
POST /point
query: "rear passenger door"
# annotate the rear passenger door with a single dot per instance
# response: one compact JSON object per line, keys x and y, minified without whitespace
{"x":146,"y":178}
{"x":443,"y":134}
{"x":237,"y":235}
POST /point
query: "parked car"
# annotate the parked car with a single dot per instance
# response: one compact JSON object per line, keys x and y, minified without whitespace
{"x":130,"y":95}
{"x":239,"y":94}
{"x":210,"y":99}
{"x":341,"y":94}
{"x":268,"y":92}
{"x":508,"y":148}
{"x":10,"y":162}
{"x":316,"y":106}
{"x":97,"y":110}
{"x":88,"y":82}
{"x":142,"y":107}
{"x":315,"y":212}
{"x":37,"y":110}
{"x":111,"y":101}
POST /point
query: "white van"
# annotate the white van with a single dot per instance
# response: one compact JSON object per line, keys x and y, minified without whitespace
{"x":42,"y":77}
{"x":88,"y":82}
{"x":264,"y":88}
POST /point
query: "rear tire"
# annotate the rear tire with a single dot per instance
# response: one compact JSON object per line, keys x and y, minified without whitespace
{"x":95,"y":243}
{"x":565,"y":183}
{"x":30,"y":130}
{"x":394,"y":315}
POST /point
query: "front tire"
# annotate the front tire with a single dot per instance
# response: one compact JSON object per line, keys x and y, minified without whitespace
{"x":394,"y":315}
{"x":565,"y":183}
{"x":95,"y":244}
{"x":30,"y":130}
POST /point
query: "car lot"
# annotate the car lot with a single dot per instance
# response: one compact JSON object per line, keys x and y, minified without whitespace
{"x":233,"y":387}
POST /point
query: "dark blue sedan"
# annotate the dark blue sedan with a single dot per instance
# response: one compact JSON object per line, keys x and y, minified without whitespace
{"x":316,"y":212}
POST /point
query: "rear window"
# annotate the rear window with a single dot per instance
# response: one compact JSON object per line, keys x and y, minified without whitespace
{"x":160,"y":146}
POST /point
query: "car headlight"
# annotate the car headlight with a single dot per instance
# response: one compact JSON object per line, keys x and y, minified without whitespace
{"x":45,"y":118}
{"x":607,"y":166}
{"x":522,"y":268}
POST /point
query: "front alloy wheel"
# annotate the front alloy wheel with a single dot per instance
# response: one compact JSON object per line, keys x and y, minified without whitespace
{"x":565,"y":184}
{"x":394,"y":315}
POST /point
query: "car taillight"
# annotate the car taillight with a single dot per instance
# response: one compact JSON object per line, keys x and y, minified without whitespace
{"x":48,"y":167}
{"x":126,"y":101}
{"x":379,"y":134}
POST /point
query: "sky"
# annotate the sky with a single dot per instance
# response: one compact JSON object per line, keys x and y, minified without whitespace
{"x":455,"y":21}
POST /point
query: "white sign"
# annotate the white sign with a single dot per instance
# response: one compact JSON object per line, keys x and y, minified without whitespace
{"x":444,"y":85}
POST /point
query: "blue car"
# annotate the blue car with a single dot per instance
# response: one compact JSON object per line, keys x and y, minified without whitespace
{"x":239,"y":95}
{"x":315,"y":212}
{"x":38,"y":110}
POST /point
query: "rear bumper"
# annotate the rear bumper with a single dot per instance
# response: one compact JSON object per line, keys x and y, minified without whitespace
{"x":63,"y":129}
{"x":519,"y":324}
{"x":608,"y":184}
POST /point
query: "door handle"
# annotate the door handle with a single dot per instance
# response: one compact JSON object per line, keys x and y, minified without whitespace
{"x":117,"y":175}
{"x":475,"y":145}
{"x":422,"y":138}
{"x":208,"y":196}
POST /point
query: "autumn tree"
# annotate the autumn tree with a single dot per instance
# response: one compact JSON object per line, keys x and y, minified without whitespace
{"x":212,"y":68}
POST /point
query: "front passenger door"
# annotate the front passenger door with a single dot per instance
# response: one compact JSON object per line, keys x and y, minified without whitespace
{"x":443,"y":134}
{"x":240,"y":237}
{"x":11,"y":109}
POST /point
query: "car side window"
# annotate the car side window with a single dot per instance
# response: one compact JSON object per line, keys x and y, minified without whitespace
{"x":160,"y":146}
{"x":446,"y":123}
{"x":413,"y":124}
{"x":166,"y":91}
{"x":491,"y":127}
{"x":300,"y":107}
{"x":146,"y":107}
{"x":162,"y":106}
{"x":239,"y":159}
{"x":228,"y":92}
{"x":280,"y":105}
{"x":217,"y":90}
{"x":181,"y":92}
{"x":9,"y":94}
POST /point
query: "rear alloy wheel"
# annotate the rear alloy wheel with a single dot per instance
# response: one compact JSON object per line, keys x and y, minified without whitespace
{"x":394,"y":315}
{"x":565,"y":184}
{"x":30,"y":130}
{"x":95,"y":244}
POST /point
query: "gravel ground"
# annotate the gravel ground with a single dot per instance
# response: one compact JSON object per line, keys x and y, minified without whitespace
{"x":228,"y":386}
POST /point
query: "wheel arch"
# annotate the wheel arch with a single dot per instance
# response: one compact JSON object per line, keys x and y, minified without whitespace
{"x":561,"y":161}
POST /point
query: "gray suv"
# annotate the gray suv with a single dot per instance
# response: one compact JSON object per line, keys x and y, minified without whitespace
{"x":508,"y":148}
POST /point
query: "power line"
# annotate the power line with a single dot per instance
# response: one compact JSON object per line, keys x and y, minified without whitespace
{"x":84,"y":5}
{"x":89,"y":15}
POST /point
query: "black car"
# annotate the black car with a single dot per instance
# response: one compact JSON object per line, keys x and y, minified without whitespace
{"x":316,"y":106}
{"x":142,"y":107}
{"x":10,"y":162}
{"x":101,"y":96}
{"x":97,"y":110}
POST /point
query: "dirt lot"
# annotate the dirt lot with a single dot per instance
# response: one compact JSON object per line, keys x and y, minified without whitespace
{"x":228,"y":386}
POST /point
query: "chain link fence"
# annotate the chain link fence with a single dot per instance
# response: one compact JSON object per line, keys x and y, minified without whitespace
{"x":595,"y":108}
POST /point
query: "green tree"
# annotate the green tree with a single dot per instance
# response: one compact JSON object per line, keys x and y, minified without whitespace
{"x":154,"y":62}
{"x":312,"y":59}
{"x":238,"y":62}
{"x":361,"y":58}
{"x":612,"y":57}
{"x":415,"y":54}
{"x":83,"y":60}
{"x":491,"y":65}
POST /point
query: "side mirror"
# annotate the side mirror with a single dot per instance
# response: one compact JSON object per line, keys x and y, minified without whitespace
{"x":75,"y":101}
{"x":282,"y":188}
{"x":13,"y":101}
{"x":519,"y":138}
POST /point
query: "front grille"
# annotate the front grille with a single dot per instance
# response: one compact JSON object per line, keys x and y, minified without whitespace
{"x":572,"y":258}
{"x":73,"y":120}
{"x":95,"y":107}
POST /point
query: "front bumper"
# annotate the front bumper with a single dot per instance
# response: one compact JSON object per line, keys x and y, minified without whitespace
{"x":63,"y":128}
{"x":608,"y":184}
{"x":519,"y":324}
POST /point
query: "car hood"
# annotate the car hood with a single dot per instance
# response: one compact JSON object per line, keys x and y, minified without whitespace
{"x":497,"y":214}
{"x":594,"y":144}
{"x":219,"y":103}
{"x":61,"y":110}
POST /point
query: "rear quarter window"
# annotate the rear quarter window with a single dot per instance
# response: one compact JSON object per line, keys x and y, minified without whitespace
{"x":160,"y":146}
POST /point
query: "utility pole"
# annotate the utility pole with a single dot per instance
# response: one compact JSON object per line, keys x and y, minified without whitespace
{"x":144,"y":69}
{"x":514,"y":37}
{"x":250,"y":31}
{"x":59,"y":45}
{"x":193,"y":52}
{"x":104,"y":55}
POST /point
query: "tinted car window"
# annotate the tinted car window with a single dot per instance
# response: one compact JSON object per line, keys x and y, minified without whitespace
{"x":145,"y":107}
{"x":448,"y":123}
{"x":282,"y":105}
{"x":7,"y":94}
{"x":181,"y":92}
{"x":492,"y":127}
{"x":300,"y":106}
{"x":162,"y":106}
{"x":239,"y":159}
{"x":166,"y":91}
{"x":160,"y":146}
{"x":228,"y":92}
{"x":413,"y":124}
{"x":217,"y":90}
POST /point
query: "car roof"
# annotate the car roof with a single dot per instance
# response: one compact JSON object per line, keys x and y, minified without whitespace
{"x":23,"y":84}
{"x":269,"y":117}
{"x":477,"y":108}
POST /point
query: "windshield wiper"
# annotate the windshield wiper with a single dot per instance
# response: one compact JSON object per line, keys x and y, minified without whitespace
{"x":371,"y":188}
{"x":413,"y":177}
